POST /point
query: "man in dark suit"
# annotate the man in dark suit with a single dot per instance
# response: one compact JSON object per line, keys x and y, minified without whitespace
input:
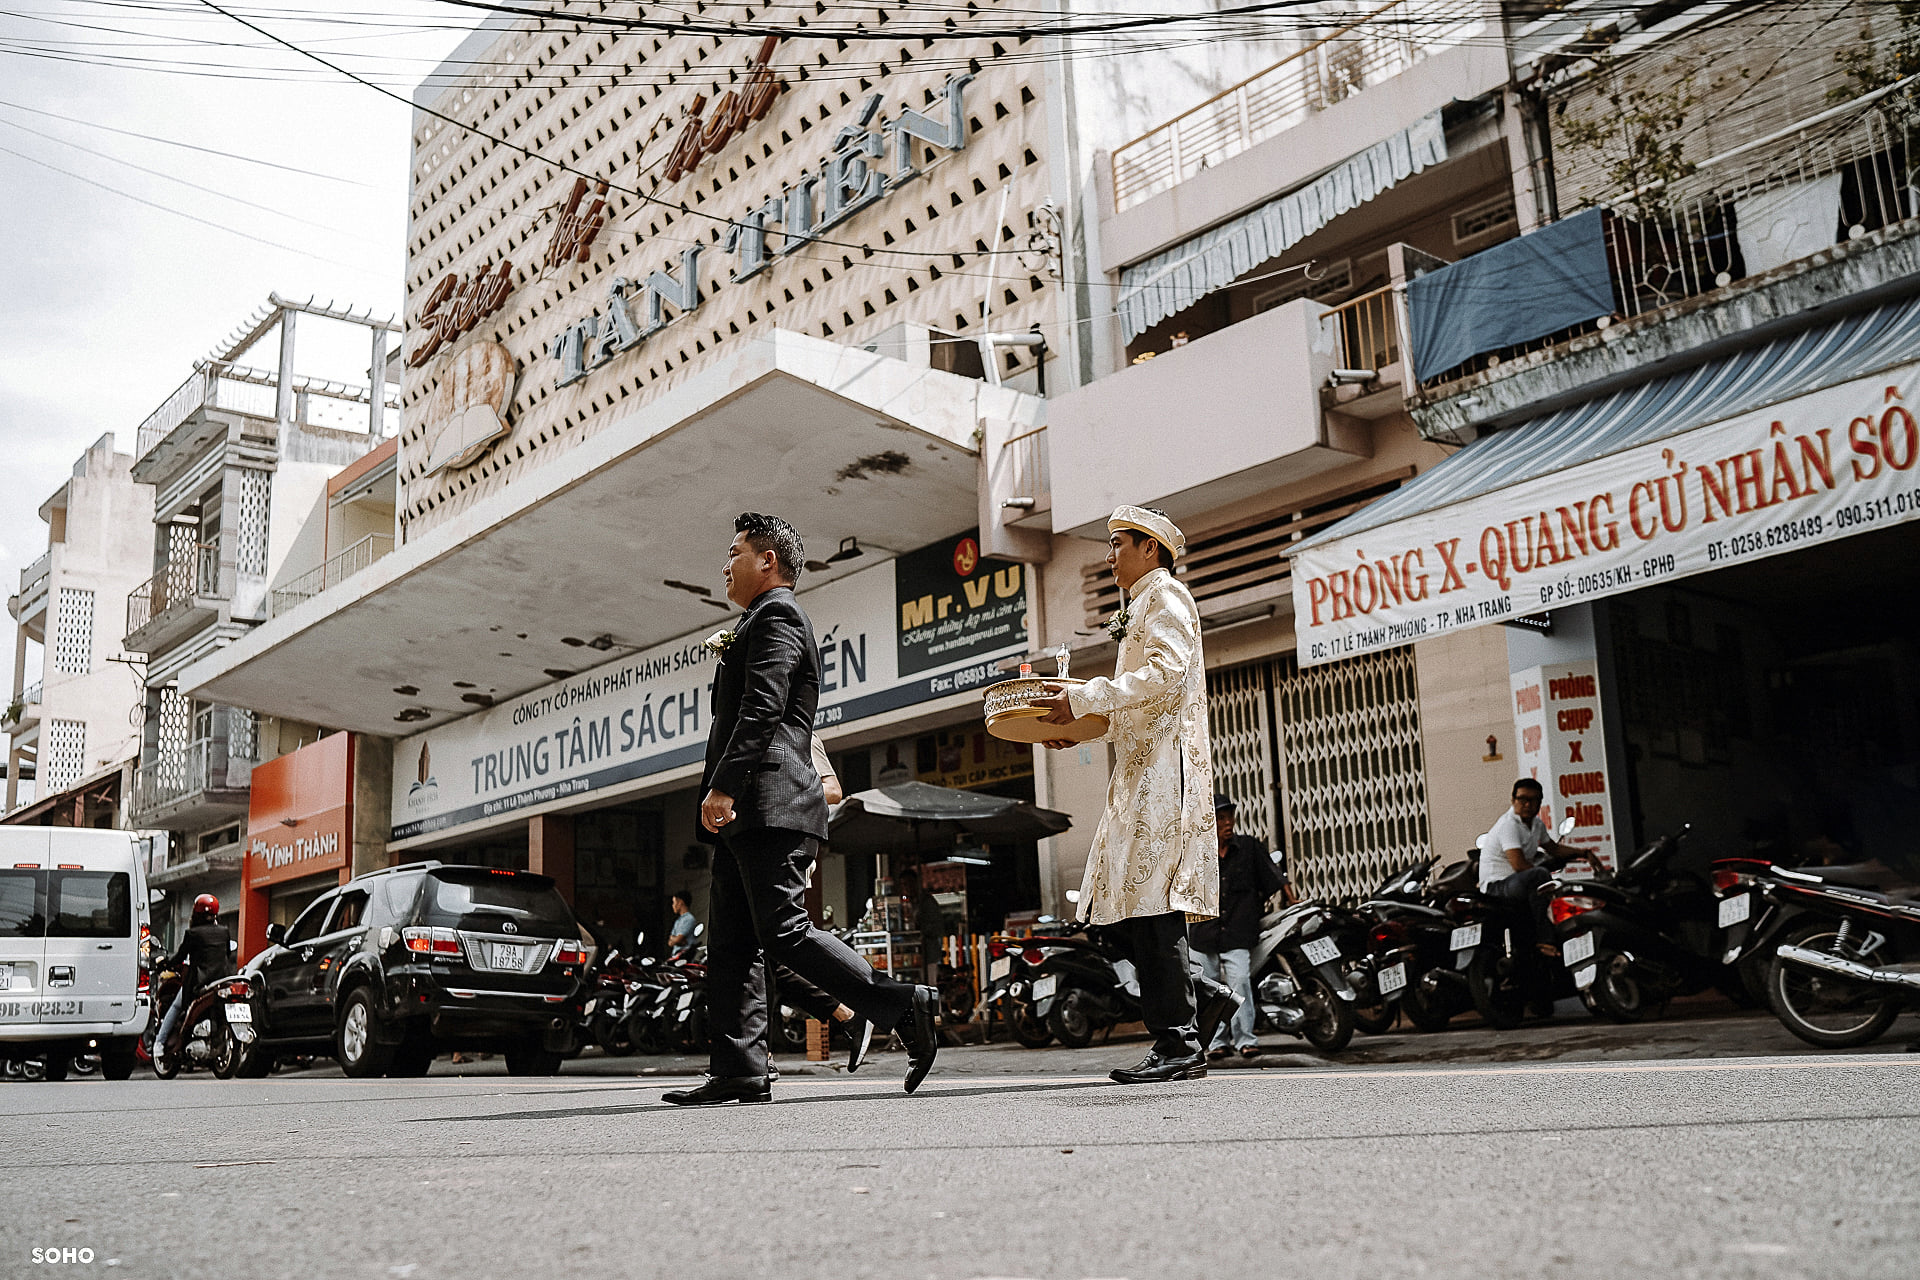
{"x":764,"y":812}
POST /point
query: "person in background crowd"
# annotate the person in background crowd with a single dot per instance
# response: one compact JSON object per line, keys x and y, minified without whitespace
{"x":680,"y":937}
{"x":929,"y":918}
{"x":1517,"y":857}
{"x":1222,"y":947}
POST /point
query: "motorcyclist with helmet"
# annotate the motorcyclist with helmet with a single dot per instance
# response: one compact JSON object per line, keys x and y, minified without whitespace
{"x":205,"y":956}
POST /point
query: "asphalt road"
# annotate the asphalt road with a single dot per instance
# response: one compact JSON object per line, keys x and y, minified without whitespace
{"x":1763,"y":1167}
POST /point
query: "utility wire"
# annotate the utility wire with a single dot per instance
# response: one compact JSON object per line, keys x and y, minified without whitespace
{"x":225,"y":155}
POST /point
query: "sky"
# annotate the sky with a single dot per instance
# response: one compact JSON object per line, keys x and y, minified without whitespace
{"x":108,"y":301}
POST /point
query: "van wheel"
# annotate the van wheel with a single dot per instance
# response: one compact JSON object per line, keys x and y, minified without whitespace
{"x":117,"y":1059}
{"x":532,"y":1060}
{"x":56,"y":1068}
{"x":355,"y":1045}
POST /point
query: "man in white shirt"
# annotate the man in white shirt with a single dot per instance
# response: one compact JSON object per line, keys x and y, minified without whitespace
{"x":1517,"y":856}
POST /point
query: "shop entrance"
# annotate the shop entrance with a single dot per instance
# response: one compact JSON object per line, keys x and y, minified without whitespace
{"x":1773,"y":705}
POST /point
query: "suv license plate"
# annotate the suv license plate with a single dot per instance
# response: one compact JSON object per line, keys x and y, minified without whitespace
{"x":504,"y":955}
{"x":1579,"y":948}
{"x":1732,"y":912}
{"x":1321,"y":951}
{"x":240,"y":1013}
{"x":1466,"y":936}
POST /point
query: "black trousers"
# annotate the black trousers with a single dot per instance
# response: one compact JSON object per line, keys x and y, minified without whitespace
{"x":757,"y":914}
{"x":1157,"y":945}
{"x":1522,"y":891}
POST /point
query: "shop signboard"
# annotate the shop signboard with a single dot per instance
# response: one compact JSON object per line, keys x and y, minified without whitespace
{"x":1557,"y":722}
{"x":648,"y":712}
{"x":1801,"y":473}
{"x":300,"y":813}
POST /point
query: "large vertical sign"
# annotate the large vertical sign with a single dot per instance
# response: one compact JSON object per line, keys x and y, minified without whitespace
{"x":1557,"y":723}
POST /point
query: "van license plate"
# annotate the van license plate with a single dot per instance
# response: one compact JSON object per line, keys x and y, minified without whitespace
{"x":6,"y":976}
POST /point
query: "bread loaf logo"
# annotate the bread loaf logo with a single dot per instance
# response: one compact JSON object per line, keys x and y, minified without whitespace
{"x":468,"y":409}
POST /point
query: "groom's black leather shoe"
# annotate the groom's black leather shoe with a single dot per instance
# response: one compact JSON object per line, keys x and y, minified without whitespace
{"x":1218,"y":1002}
{"x":921,"y":1034}
{"x":720,"y":1089}
{"x":1154,"y":1069}
{"x":860,"y":1032}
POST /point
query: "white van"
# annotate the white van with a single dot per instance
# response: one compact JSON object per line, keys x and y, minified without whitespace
{"x":73,"y":916}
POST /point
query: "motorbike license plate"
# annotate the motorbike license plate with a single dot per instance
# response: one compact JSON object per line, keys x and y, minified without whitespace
{"x":6,"y":976}
{"x":1393,"y":977}
{"x":1578,"y":948}
{"x":1465,"y":938}
{"x":1734,"y":910}
{"x":1044,"y":987}
{"x":1000,"y":968}
{"x":240,"y":1013}
{"x":1321,"y":951}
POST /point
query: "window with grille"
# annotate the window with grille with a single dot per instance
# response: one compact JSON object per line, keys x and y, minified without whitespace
{"x":1354,"y":787}
{"x":1240,"y":730}
{"x":1483,"y":220}
{"x":73,"y":633}
{"x":250,"y":547}
{"x":63,"y":755}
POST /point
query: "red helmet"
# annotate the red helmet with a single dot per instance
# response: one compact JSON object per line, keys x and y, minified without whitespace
{"x":205,"y":907}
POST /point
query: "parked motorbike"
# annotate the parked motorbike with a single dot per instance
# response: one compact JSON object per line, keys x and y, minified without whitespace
{"x":1011,"y":965}
{"x":1638,"y":937}
{"x":1298,"y":987}
{"x":1845,"y":939}
{"x":1493,"y":942}
{"x":1410,"y":919}
{"x":212,"y":1031}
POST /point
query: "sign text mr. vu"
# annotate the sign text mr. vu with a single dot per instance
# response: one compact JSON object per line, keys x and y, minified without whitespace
{"x":1818,"y":468}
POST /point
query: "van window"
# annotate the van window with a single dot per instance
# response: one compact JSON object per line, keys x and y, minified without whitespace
{"x":23,"y":904}
{"x":307,"y":927}
{"x":90,"y":904}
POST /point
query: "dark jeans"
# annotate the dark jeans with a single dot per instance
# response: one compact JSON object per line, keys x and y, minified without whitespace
{"x":757,"y":914}
{"x":1157,"y":945}
{"x":1521,"y":890}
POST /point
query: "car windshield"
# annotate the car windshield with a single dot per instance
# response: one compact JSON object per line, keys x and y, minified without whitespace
{"x":486,"y":900}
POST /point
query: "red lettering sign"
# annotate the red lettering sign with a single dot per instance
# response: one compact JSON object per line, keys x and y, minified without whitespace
{"x":702,"y":135}
{"x":456,"y":305}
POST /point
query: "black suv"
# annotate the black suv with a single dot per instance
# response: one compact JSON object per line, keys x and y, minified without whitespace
{"x":398,"y":965}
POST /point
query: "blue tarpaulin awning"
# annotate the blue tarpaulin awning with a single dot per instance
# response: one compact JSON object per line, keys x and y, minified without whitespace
{"x":1514,"y":292}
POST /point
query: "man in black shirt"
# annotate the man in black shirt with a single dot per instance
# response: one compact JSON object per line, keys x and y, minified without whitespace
{"x":1222,"y":948}
{"x":205,"y":955}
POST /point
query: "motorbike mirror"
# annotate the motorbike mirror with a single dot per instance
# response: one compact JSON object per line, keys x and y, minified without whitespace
{"x":156,"y":896}
{"x":233,"y":948}
{"x":1073,"y":895}
{"x":1567,"y":824}
{"x":276,"y":934}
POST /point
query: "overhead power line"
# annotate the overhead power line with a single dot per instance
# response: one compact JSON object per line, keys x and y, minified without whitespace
{"x":173,"y":142}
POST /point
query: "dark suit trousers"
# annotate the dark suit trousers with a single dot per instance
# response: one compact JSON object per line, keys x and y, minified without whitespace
{"x":756,"y":914}
{"x":1158,"y":949}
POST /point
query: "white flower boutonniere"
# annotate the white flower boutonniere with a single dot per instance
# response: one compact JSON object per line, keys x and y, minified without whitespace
{"x":1117,"y":624}
{"x":718,"y":641}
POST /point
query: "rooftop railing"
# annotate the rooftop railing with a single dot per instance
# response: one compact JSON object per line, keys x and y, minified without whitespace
{"x":332,"y":573}
{"x":37,"y":571}
{"x":340,"y":406}
{"x":1377,"y":46}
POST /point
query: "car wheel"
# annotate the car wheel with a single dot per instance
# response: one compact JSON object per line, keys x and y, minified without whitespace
{"x":355,"y":1044}
{"x":532,"y":1060}
{"x":118,"y":1058}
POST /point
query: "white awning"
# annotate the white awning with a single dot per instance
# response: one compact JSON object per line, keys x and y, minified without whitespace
{"x":1170,"y":282}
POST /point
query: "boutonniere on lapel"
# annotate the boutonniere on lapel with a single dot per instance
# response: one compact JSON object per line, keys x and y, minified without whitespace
{"x":719,"y":641}
{"x":1117,"y":624}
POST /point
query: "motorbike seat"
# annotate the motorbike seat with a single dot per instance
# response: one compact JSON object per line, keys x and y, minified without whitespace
{"x":1871,"y":875}
{"x":1459,"y":877}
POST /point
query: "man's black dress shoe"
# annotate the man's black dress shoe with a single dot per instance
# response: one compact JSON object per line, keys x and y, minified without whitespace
{"x":716,"y":1090}
{"x":921,"y":1034}
{"x":1217,"y":1003}
{"x":860,"y":1032}
{"x":1154,"y":1069}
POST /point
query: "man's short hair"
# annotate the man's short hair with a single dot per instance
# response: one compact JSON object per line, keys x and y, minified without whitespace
{"x":1166,"y":552}
{"x":1530,"y":784}
{"x":683,"y":896}
{"x":771,"y":533}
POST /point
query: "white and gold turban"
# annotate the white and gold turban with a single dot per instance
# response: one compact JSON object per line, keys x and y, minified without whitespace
{"x":1151,"y":523}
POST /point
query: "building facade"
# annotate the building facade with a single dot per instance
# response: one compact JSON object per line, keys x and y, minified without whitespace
{"x":76,"y":723}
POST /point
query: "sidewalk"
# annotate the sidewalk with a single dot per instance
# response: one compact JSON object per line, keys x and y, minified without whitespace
{"x":1706,"y":1027}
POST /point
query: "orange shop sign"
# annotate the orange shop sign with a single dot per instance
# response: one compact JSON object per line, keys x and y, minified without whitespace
{"x":300,"y":813}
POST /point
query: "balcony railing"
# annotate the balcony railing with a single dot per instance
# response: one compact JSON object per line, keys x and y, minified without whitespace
{"x":183,"y":579}
{"x":332,"y":573}
{"x":16,"y":713}
{"x":1379,"y":45}
{"x":1368,"y":331}
{"x":203,"y":765}
{"x":37,"y":571}
{"x":337,"y":405}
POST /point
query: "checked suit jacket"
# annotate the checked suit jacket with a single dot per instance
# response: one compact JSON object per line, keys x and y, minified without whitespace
{"x":759,"y":749}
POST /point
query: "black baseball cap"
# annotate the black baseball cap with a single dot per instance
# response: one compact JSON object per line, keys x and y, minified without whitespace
{"x":1221,"y":800}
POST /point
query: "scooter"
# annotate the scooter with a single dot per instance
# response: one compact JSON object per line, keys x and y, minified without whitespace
{"x":1412,"y":927}
{"x":1297,"y":986}
{"x":213,"y":1030}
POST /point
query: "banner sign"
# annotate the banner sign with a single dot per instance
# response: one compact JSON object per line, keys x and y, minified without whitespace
{"x":648,"y":712}
{"x":1812,"y":470}
{"x":1556,"y":721}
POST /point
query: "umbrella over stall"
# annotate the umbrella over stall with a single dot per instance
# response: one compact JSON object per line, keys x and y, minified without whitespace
{"x":917,"y":815}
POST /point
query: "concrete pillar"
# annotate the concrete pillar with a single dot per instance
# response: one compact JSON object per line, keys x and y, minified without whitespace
{"x":283,"y":391}
{"x":550,"y":849}
{"x":372,"y":803}
{"x":377,"y":386}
